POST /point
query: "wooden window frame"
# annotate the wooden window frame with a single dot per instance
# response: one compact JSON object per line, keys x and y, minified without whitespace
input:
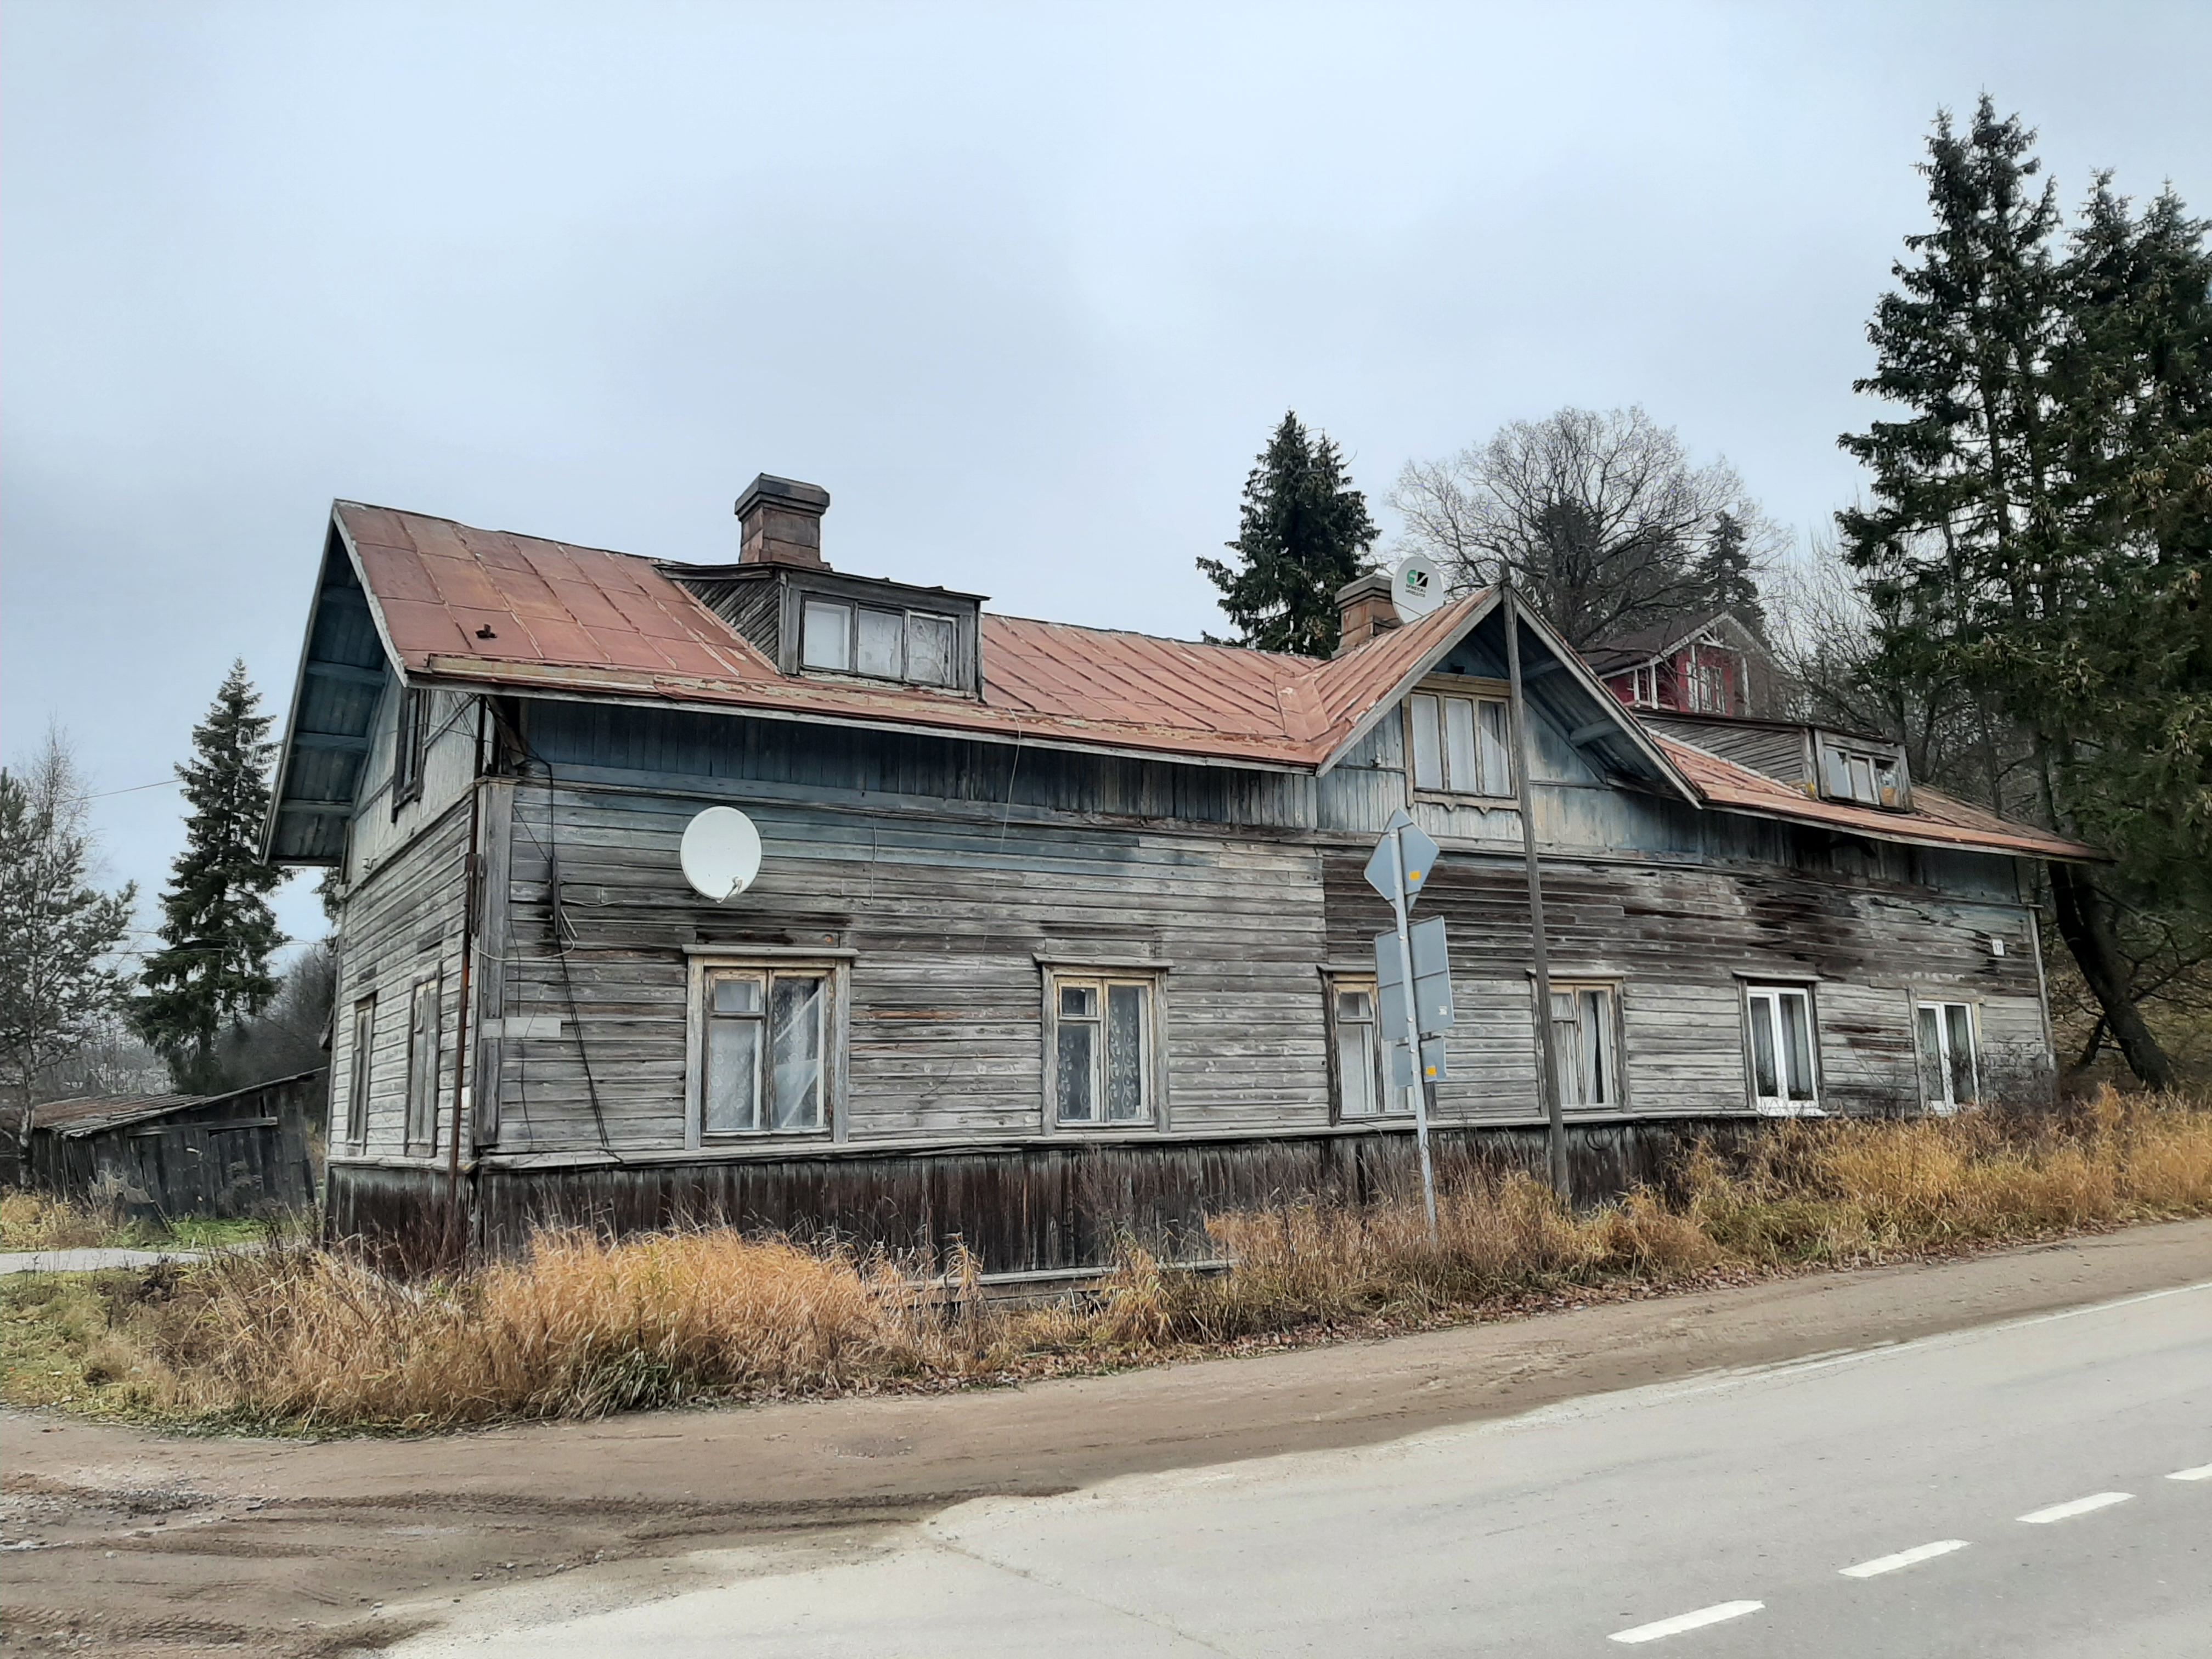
{"x":410,"y":745}
{"x":1334,"y":985}
{"x":420,"y":1129}
{"x":833,"y":969}
{"x":1752,"y":989}
{"x":1055,"y":975}
{"x":908,"y":615}
{"x":1615,"y":1031}
{"x":1467,"y":689}
{"x":359,"y":1065}
{"x":1940,"y":1005}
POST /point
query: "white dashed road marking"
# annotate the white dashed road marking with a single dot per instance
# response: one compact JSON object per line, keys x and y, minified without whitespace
{"x":2080,"y":1506}
{"x":2202,"y":1471}
{"x":1912,"y":1557}
{"x":1682,"y":1621}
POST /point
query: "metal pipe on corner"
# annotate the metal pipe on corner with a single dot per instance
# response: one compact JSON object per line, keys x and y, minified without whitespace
{"x":1547,"y":1070}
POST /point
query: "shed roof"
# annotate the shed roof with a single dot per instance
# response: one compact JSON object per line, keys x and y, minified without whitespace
{"x":494,"y":610}
{"x":90,"y":1114}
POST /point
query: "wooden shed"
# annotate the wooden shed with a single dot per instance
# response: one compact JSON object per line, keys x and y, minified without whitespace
{"x":249,"y":1152}
{"x":1061,"y":930}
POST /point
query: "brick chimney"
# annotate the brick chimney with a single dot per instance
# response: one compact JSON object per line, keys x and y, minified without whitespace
{"x":780,"y":522}
{"x":1364,"y":609}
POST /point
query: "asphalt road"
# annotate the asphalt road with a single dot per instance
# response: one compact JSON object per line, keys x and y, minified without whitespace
{"x":1962,"y":1494}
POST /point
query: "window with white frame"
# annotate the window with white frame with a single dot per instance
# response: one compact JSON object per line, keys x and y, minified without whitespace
{"x":1101,"y":1047}
{"x":918,"y":647}
{"x":364,"y":1038}
{"x":1361,"y":1047}
{"x":1460,"y":743}
{"x":423,"y":1037}
{"x":1948,"y":1075}
{"x":763,"y":1050}
{"x":1708,"y":688}
{"x":1583,"y":1047}
{"x":1782,"y":1048}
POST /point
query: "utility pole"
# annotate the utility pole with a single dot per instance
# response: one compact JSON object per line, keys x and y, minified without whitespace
{"x":1546,"y":1061}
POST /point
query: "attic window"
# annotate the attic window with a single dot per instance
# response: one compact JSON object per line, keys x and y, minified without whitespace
{"x":841,"y":637}
{"x":1867,"y":774}
{"x":1458,"y":744}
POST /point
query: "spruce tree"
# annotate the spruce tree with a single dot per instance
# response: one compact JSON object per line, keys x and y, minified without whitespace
{"x":217,"y":929}
{"x":2012,"y":541}
{"x":1303,"y":533}
{"x":1726,"y":572}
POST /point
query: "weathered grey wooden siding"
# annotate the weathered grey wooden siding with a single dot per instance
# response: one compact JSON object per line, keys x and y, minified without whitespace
{"x":1682,"y":940}
{"x":680,"y":750}
{"x":448,"y":763}
{"x":946,"y":919}
{"x":399,"y":927}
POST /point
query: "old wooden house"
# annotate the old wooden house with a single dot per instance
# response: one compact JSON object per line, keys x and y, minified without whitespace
{"x":1713,"y":663}
{"x":1058,"y":929}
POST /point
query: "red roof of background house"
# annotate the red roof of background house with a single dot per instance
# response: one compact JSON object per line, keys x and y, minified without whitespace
{"x":564,"y":618}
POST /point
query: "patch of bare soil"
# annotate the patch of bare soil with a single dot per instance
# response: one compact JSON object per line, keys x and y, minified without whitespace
{"x":120,"y":1541}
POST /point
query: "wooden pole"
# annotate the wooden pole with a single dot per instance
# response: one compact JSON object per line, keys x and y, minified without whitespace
{"x":1547,"y":1061}
{"x":1413,"y":1027}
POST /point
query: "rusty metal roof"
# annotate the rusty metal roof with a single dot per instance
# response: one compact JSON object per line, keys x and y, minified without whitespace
{"x":524,"y":614}
{"x":493,"y":608}
{"x":1936,"y":820}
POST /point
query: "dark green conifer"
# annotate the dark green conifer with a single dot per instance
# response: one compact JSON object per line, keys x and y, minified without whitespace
{"x":218,"y":932}
{"x":1303,"y":533}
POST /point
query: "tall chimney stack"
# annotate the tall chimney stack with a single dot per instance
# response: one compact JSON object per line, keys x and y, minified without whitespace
{"x":1364,"y":609}
{"x":780,"y":522}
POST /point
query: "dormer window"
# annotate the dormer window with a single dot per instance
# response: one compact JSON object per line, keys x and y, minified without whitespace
{"x":1868,"y":775}
{"x":917,"y":646}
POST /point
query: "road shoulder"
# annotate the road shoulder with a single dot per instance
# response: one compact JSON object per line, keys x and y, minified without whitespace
{"x":326,"y":1531}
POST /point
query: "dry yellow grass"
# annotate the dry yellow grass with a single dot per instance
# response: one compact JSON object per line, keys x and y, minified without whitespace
{"x":32,"y":1221}
{"x":581,"y":1326}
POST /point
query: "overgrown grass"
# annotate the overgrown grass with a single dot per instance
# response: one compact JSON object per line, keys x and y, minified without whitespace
{"x":298,"y":1338}
{"x":36,"y":1221}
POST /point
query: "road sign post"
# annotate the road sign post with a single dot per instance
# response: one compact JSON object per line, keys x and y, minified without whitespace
{"x":1399,"y":870}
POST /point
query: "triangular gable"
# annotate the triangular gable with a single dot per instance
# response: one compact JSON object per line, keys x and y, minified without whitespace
{"x":1559,"y":685}
{"x":346,"y":658}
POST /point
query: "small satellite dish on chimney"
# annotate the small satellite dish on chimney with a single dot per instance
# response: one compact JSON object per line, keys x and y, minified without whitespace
{"x":721,"y":853}
{"x":1416,"y":588}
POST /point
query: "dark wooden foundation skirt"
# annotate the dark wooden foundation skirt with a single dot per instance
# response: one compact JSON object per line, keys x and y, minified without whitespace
{"x":1033,"y":1207}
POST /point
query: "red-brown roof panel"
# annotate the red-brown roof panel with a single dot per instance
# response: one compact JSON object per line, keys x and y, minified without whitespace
{"x":584,"y":620}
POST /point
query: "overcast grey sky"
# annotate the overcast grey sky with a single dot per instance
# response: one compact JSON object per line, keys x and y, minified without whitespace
{"x":1024,"y":286}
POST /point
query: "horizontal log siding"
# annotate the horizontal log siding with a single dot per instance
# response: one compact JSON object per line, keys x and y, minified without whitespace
{"x":398,"y":927}
{"x":946,"y":999}
{"x":1680,"y":940}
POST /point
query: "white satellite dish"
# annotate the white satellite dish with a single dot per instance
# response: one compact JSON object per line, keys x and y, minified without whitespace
{"x":721,"y":853}
{"x":1416,"y":587}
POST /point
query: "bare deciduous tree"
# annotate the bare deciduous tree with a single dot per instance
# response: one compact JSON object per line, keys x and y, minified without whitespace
{"x":1601,"y":518}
